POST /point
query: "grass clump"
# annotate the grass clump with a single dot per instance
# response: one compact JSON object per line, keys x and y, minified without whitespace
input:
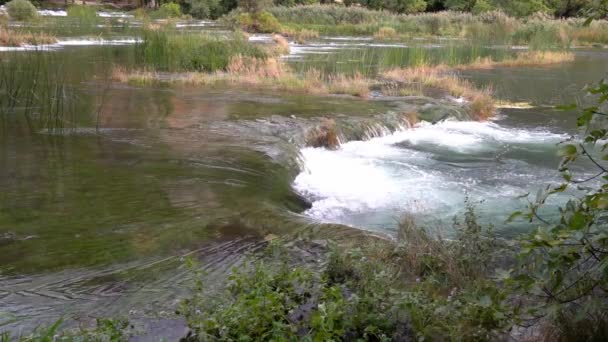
{"x":528,"y":58}
{"x":9,"y":37}
{"x":304,"y":35}
{"x":260,"y":22}
{"x":21,"y":10}
{"x":438,"y":81}
{"x":324,"y":135}
{"x":174,"y":51}
{"x":386,"y":33}
{"x":279,"y":47}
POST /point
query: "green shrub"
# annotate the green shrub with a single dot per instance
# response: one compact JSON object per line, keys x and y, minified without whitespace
{"x":369,"y":293}
{"x":21,"y":10}
{"x":203,"y":9}
{"x":169,"y":10}
{"x":262,"y":22}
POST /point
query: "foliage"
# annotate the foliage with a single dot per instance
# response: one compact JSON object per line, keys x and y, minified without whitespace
{"x":169,"y":10}
{"x":261,"y":22}
{"x":21,"y":10}
{"x":378,"y":292}
{"x":565,"y":263}
{"x":253,"y":6}
{"x":203,"y":9}
{"x":489,"y":26}
{"x":175,"y":51}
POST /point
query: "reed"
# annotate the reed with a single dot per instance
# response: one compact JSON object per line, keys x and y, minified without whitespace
{"x":35,"y":93}
{"x":386,"y":33}
{"x":165,"y":50}
{"x":11,"y":37}
{"x":438,"y":82}
{"x":540,"y":32}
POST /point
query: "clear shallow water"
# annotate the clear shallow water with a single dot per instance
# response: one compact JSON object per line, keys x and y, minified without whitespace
{"x":95,"y":218}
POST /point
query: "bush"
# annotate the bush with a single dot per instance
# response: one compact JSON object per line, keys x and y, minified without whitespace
{"x":204,"y":9}
{"x":369,"y":293}
{"x":21,"y":10}
{"x":169,"y":10}
{"x":262,"y":22}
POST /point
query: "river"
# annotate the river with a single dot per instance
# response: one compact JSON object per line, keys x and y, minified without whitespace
{"x":96,"y":217}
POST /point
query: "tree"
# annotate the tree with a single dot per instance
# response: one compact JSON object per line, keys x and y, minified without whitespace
{"x":253,"y":6}
{"x":203,"y":9}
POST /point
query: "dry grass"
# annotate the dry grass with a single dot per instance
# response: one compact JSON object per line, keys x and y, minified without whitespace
{"x":437,"y":80}
{"x":355,"y":85}
{"x":528,"y":58}
{"x":324,"y":135}
{"x":280,"y":46}
{"x":305,"y":35}
{"x":386,"y":33}
{"x":121,"y":74}
{"x":259,"y":72}
{"x":591,"y":35}
{"x":14,"y":38}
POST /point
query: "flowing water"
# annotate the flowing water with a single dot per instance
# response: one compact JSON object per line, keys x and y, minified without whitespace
{"x":95,"y":216}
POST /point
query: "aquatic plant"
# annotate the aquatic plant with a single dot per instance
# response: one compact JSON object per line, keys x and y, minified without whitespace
{"x":280,"y":46}
{"x":425,"y":80}
{"x":21,"y":10}
{"x":301,"y":36}
{"x":31,"y":91}
{"x":85,"y":14}
{"x":325,"y":134}
{"x":174,"y":51}
{"x":385,"y":33}
{"x":11,"y":37}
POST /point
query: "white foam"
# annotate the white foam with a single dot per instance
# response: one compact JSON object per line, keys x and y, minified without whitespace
{"x":53,"y":13}
{"x":70,"y":42}
{"x":364,"y":178}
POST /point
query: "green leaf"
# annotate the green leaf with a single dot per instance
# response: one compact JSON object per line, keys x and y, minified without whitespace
{"x":577,"y":221}
{"x":567,"y":150}
{"x":513,"y":216}
{"x":571,"y":106}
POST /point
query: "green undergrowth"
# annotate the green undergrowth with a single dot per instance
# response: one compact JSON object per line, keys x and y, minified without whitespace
{"x":421,"y":286}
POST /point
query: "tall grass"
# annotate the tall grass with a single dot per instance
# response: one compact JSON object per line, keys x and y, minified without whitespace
{"x":371,"y":61}
{"x":12,"y":37}
{"x":34,"y":91}
{"x":487,"y":27}
{"x":163,"y":50}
